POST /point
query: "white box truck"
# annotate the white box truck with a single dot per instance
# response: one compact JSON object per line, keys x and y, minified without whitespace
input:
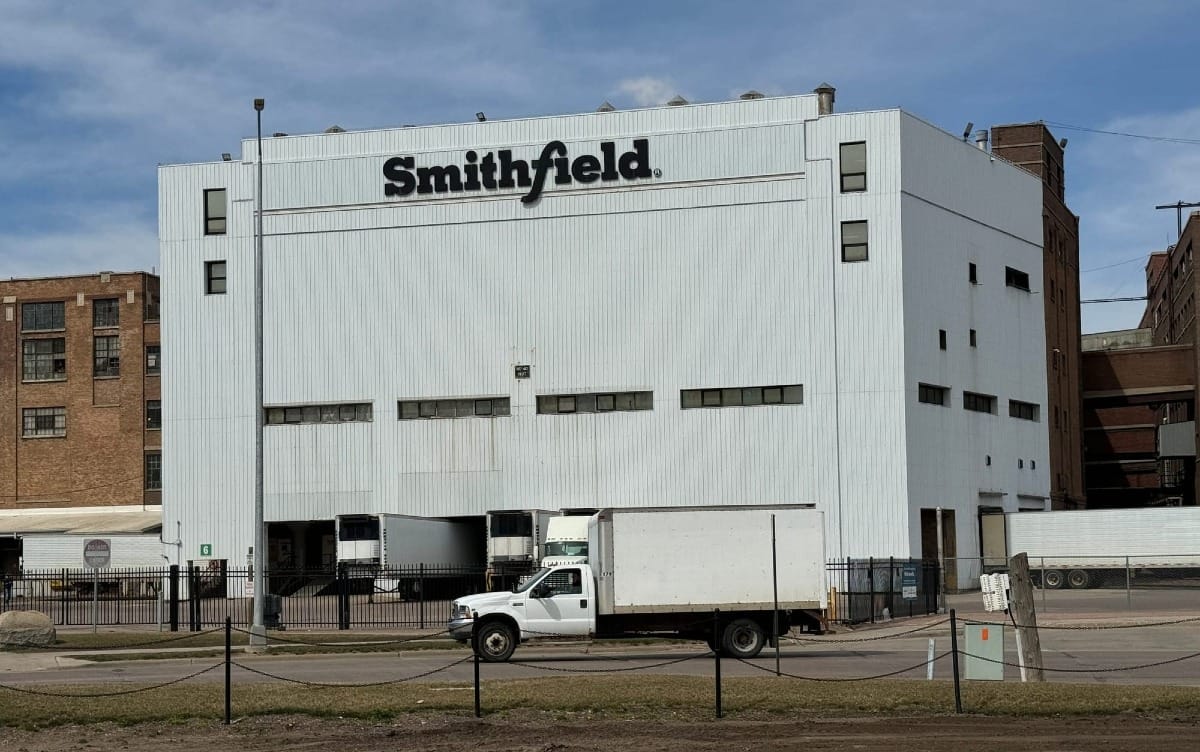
{"x":1096,"y":547}
{"x":667,"y":571}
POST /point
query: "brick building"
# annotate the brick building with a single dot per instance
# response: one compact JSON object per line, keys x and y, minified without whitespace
{"x":79,"y":428}
{"x":1033,"y":147}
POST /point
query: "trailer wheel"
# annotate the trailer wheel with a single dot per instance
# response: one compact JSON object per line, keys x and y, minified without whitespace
{"x":1079,"y":579}
{"x":1052,"y":579}
{"x":743,"y":638}
{"x":495,"y":642}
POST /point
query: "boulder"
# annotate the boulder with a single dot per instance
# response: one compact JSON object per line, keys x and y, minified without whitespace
{"x":26,"y":629}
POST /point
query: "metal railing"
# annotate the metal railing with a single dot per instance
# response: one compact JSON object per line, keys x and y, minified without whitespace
{"x":871,"y":589}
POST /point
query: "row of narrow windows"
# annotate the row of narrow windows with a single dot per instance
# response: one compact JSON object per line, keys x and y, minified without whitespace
{"x":932,"y":394}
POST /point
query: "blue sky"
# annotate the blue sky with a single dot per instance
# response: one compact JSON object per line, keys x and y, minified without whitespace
{"x":94,"y":95}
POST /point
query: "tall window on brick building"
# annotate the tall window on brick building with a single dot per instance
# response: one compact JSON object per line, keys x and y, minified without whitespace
{"x":153,"y":414}
{"x":106,"y":352}
{"x":153,"y":471}
{"x":106,"y":312}
{"x":153,"y":360}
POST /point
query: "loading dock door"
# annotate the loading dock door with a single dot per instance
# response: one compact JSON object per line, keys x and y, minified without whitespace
{"x":992,"y":542}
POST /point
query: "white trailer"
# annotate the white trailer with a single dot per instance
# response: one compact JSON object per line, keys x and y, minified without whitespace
{"x":1090,"y":548}
{"x":396,"y":540}
{"x":705,"y":573}
{"x":515,"y":544}
{"x":44,"y":553}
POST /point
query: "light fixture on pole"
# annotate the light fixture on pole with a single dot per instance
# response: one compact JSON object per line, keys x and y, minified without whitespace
{"x":258,"y":630}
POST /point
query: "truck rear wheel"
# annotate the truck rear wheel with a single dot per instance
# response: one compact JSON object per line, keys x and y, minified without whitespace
{"x":1052,"y":579}
{"x":743,"y":638}
{"x":495,"y":642}
{"x":1079,"y":579}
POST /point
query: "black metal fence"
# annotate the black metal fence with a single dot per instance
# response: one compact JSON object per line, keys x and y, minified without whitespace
{"x":195,"y":598}
{"x":864,"y":590}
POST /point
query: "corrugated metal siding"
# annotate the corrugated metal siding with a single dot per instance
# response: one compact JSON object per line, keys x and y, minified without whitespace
{"x":66,"y":551}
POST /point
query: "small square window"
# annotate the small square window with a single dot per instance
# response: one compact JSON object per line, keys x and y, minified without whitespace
{"x":500,"y":406}
{"x":275,"y":415}
{"x":772,"y":395}
{"x":752,"y":395}
{"x":585,"y":403}
{"x":711,"y":398}
{"x":1016,"y":278}
{"x":624,"y":401}
{"x":606,"y":403}
{"x":793,"y":395}
{"x":483,"y":407}
{"x":293,"y":414}
{"x":329,"y":413}
{"x":214,"y":277}
{"x":106,"y":312}
{"x":566,"y":404}
{"x":731,"y":397}
{"x":362,"y":412}
{"x":547,"y":404}
{"x":311,"y":414}
{"x":409,"y":411}
{"x":643,"y":400}
{"x":854,"y":241}
{"x":428,"y":409}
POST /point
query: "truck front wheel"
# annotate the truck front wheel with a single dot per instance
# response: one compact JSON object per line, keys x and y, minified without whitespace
{"x":495,"y":642}
{"x":743,"y":638}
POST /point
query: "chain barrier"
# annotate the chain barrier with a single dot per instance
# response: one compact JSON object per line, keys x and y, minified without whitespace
{"x":422,"y":675}
{"x":148,"y":643}
{"x":819,"y":640}
{"x":922,"y":664}
{"x":364,"y":643}
{"x":624,"y":669}
{"x":1082,"y":627}
{"x":117,"y":693}
{"x":1108,"y":670}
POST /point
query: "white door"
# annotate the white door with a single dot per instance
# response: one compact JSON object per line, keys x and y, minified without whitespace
{"x":565,"y":607}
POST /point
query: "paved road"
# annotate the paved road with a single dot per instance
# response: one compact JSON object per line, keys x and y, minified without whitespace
{"x":828,"y":657}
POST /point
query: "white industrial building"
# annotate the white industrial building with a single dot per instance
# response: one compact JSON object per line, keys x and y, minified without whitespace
{"x":746,"y":302}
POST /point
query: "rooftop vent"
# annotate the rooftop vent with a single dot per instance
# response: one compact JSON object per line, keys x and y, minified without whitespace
{"x":606,"y":107}
{"x":335,"y":129}
{"x":226,"y":156}
{"x":752,"y":94}
{"x":278,"y":134}
{"x":981,"y":139}
{"x":677,"y":101}
{"x":825,"y":95}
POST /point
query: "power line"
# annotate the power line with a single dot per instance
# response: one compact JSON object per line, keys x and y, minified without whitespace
{"x":1110,"y":266}
{"x":1166,"y":139}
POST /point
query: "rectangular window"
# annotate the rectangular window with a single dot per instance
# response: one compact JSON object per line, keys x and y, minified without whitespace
{"x":473,"y":407}
{"x":153,"y":471}
{"x":358,"y":412}
{"x":854,"y":241}
{"x":44,"y":359}
{"x":942,"y":339}
{"x":567,"y":404}
{"x":43,"y":317}
{"x":980,"y":403}
{"x":1022,"y":410}
{"x":973,"y":338}
{"x":106,"y":312}
{"x":106,"y":352}
{"x":853,"y":164}
{"x":972,"y":274}
{"x":214,"y":211}
{"x":153,"y":414}
{"x":44,"y":421}
{"x":214,"y":277}
{"x":1016,"y":278}
{"x":933,"y":395}
{"x":749,"y":396}
{"x":152,"y":360}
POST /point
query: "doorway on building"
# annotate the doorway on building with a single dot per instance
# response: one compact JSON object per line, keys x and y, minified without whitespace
{"x":309,"y":546}
{"x":929,"y":544}
{"x":993,"y":546}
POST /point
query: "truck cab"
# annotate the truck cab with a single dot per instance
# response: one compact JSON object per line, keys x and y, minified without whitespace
{"x":566,"y":541}
{"x":554,"y":602}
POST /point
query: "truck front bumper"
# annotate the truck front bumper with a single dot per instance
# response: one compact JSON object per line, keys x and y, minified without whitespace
{"x":460,"y":629}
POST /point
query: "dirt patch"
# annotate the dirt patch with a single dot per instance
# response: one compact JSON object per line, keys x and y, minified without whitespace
{"x":557,"y":732}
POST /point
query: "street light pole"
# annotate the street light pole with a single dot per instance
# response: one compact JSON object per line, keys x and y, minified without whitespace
{"x":258,"y":631}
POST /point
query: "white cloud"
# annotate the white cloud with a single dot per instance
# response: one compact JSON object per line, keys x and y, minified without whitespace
{"x":648,"y":91}
{"x":112,"y":238}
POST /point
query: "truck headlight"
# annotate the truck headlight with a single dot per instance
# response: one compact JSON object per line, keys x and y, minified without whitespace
{"x":461,"y":612}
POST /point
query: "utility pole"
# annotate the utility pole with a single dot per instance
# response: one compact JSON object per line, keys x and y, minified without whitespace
{"x":1179,"y":206}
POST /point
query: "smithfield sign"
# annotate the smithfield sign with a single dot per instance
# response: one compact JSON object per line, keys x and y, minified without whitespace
{"x":498,"y":171}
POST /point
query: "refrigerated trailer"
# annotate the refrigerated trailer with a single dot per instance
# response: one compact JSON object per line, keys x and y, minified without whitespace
{"x":515,"y":542}
{"x":704,"y":573}
{"x":1097,"y":547}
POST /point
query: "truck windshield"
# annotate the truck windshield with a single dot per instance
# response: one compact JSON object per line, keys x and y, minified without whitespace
{"x":529,"y":581}
{"x":566,"y":548}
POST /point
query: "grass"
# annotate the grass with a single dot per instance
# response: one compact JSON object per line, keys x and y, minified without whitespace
{"x":149,"y":640}
{"x":644,"y":697}
{"x":275,"y":650}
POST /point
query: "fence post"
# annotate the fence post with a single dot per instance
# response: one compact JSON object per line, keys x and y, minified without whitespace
{"x":228,"y":660}
{"x":421,"y":594}
{"x":66,"y":594}
{"x":173,"y":590}
{"x":343,"y":596}
{"x":891,"y":591}
{"x":716,"y":641}
{"x":193,"y":597}
{"x":475,"y":651}
{"x":1128,"y":585}
{"x":954,"y":661}
{"x":871,"y":586}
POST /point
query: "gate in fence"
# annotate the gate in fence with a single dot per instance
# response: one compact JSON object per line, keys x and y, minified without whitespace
{"x":862,"y":590}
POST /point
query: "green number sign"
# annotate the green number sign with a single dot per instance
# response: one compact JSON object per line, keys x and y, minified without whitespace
{"x":206,"y":549}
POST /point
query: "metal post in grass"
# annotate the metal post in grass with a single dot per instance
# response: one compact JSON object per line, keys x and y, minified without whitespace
{"x":775,"y":587}
{"x":173,"y":587}
{"x":421,"y":594}
{"x":228,"y":664}
{"x":716,"y":642}
{"x":954,"y":661}
{"x":1128,"y":586}
{"x":475,"y":651}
